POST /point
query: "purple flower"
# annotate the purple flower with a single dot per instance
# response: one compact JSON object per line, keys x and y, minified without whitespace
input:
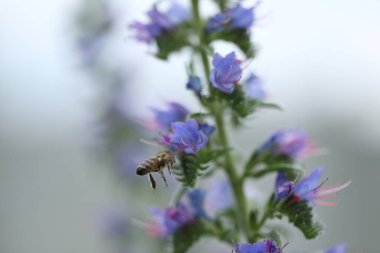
{"x":265,"y":246}
{"x":196,"y":198}
{"x":160,"y":21}
{"x":194,"y":84}
{"x":342,"y":248}
{"x":146,"y":32}
{"x":254,"y":88}
{"x":237,"y":17}
{"x":284,"y":188}
{"x":226,"y":73}
{"x":170,"y":219}
{"x":163,"y":118}
{"x":308,"y":189}
{"x":217,"y":22}
{"x":219,"y":198}
{"x":291,"y":143}
{"x":187,"y":136}
{"x":241,"y":17}
{"x":207,"y":129}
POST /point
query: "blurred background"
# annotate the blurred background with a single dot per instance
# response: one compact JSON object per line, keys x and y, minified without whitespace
{"x":73,"y":82}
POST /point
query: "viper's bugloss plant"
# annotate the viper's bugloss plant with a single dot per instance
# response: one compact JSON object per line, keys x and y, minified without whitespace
{"x":200,"y":142}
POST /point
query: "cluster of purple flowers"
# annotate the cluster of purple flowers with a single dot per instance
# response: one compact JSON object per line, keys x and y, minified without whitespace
{"x":160,"y":21}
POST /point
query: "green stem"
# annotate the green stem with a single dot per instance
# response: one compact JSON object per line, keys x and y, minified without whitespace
{"x":236,"y":183}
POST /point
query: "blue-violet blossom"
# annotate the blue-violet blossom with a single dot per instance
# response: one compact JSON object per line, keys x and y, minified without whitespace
{"x":265,"y":246}
{"x":237,"y":17}
{"x":170,"y":219}
{"x":291,"y":143}
{"x":254,"y":88}
{"x":163,"y":118}
{"x":226,"y":73}
{"x":187,"y":136}
{"x":308,"y":189}
{"x":342,"y":248}
{"x":160,"y":21}
{"x":194,"y":84}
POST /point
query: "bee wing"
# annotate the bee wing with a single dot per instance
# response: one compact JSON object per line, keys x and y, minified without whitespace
{"x":152,"y":182}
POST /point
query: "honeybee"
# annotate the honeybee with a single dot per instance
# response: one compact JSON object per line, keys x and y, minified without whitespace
{"x":156,"y":164}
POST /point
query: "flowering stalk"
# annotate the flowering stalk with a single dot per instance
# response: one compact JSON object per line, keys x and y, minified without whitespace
{"x":237,"y":184}
{"x":194,"y":213}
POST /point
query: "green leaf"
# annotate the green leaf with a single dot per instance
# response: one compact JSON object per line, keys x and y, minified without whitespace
{"x":172,"y":41}
{"x":186,"y":236}
{"x":301,"y":215}
{"x":188,"y":169}
{"x":261,"y":104}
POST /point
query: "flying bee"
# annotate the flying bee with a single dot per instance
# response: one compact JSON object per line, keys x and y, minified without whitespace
{"x":156,"y":164}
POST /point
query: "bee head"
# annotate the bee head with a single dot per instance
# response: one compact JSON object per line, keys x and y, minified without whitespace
{"x":141,"y":171}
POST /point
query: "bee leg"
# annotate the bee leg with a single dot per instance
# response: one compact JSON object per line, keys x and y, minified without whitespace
{"x":152,"y":182}
{"x":169,"y":167}
{"x":163,"y":177}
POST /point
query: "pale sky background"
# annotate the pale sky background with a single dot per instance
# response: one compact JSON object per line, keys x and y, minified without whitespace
{"x":319,"y":59}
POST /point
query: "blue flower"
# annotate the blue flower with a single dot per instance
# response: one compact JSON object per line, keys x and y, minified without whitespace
{"x":194,"y":84}
{"x":187,"y":136}
{"x":307,"y":189}
{"x":291,"y":143}
{"x":254,"y":88}
{"x":219,"y":198}
{"x":207,"y":129}
{"x":342,"y":248}
{"x":169,"y":220}
{"x":265,"y":246}
{"x":197,"y":198}
{"x":217,"y":22}
{"x":241,"y":18}
{"x":163,"y":118}
{"x":160,"y":21}
{"x":237,"y":17}
{"x":226,"y":73}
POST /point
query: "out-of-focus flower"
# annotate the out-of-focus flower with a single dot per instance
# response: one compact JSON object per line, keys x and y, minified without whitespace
{"x":254,"y":88}
{"x":290,"y":143}
{"x":219,"y":197}
{"x":217,"y":22}
{"x":241,"y":17}
{"x":114,"y":222}
{"x":342,"y":248}
{"x":186,"y":136}
{"x":226,"y":73}
{"x":160,"y":21}
{"x":194,"y":84}
{"x":207,"y":129}
{"x":265,"y":246}
{"x":93,"y":23}
{"x":170,"y":219}
{"x":196,"y":198}
{"x":163,"y":118}
{"x":237,"y":17}
{"x":308,"y":188}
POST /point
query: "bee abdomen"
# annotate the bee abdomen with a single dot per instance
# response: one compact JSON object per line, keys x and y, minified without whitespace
{"x":150,"y":165}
